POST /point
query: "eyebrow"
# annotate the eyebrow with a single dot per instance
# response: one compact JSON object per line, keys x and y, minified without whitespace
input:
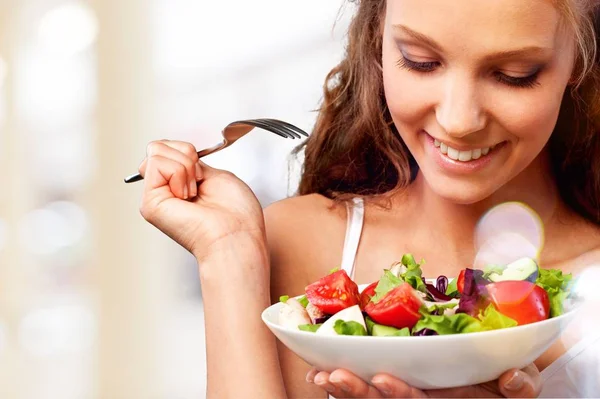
{"x":529,"y":50}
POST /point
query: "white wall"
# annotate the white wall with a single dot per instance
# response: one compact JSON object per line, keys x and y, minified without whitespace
{"x":61,"y":218}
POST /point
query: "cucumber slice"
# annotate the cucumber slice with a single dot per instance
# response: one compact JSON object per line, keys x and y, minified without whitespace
{"x":383,"y":331}
{"x":521,"y":269}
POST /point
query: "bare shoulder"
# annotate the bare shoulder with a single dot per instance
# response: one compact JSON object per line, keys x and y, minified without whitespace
{"x":302,"y":208}
{"x":588,"y":259}
{"x":305,"y":236}
{"x":584,"y":244}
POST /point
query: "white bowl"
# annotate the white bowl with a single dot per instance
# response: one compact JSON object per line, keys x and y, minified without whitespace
{"x":425,"y":362}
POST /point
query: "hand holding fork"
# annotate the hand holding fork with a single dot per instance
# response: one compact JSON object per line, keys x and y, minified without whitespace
{"x":199,"y":206}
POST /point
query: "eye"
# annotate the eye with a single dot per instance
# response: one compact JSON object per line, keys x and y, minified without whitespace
{"x":425,"y":67}
{"x":521,"y":82}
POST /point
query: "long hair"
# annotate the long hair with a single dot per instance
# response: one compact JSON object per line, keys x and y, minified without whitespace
{"x":355,"y":149}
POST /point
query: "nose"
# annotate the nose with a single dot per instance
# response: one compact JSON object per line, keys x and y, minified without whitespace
{"x":460,"y":112}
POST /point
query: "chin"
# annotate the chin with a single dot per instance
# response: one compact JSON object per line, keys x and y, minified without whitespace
{"x":461,"y":192}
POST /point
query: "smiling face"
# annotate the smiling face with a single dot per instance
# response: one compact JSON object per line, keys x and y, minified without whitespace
{"x":474,"y":88}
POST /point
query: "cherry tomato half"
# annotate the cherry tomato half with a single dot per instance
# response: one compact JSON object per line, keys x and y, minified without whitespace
{"x":522,"y":301}
{"x":398,"y":308}
{"x":367,"y":294}
{"x":333,"y":293}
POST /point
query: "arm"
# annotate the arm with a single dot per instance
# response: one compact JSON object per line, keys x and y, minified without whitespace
{"x":217,"y":218}
{"x":238,"y":342}
{"x":241,"y":351}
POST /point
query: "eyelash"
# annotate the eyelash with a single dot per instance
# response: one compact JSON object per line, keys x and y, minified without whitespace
{"x":430,"y":66}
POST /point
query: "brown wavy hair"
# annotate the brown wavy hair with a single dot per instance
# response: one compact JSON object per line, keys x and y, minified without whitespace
{"x":355,"y":149}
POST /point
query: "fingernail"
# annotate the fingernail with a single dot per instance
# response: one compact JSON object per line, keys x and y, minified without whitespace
{"x":342,"y":385}
{"x":515,"y":382}
{"x":381,"y":387}
{"x":198,"y":172}
{"x":326,"y":386}
{"x":310,"y":378}
{"x":193,"y":189}
{"x":329,"y":388}
{"x":185,"y":192}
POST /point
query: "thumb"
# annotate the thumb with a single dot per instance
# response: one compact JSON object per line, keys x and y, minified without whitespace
{"x":525,"y":383}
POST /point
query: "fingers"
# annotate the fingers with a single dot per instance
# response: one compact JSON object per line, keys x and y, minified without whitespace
{"x":165,"y":172}
{"x":180,"y":152}
{"x":525,"y":383}
{"x":342,"y":384}
{"x":392,"y":387}
{"x":351,"y":386}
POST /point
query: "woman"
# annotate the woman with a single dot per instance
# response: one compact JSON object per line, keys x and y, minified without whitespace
{"x":439,"y":111}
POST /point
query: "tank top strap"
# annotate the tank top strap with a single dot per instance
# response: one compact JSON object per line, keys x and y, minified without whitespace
{"x":356,"y":215}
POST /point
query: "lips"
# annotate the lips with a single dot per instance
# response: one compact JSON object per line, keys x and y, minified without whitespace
{"x":462,"y":155}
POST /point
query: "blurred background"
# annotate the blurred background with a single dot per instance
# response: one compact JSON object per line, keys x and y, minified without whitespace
{"x":94,"y":302}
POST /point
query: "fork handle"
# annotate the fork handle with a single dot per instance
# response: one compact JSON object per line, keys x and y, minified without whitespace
{"x":215,"y":148}
{"x":202,"y":153}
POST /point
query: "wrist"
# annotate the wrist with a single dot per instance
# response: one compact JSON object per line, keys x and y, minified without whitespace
{"x":234,"y":254}
{"x":230,"y":244}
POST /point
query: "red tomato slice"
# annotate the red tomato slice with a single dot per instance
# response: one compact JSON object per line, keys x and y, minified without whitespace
{"x":367,"y":294}
{"x":333,"y":293}
{"x":522,"y":301}
{"x":460,"y":283}
{"x":398,"y":308}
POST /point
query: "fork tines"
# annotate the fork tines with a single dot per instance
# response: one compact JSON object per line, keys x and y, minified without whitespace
{"x":281,"y":128}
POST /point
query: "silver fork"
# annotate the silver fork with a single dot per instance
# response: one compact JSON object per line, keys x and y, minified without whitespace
{"x":236,"y":130}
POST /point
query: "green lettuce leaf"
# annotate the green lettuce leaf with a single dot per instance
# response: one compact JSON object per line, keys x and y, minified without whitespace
{"x":409,"y":261}
{"x":310,"y":327}
{"x":387,"y":283}
{"x":491,"y":319}
{"x":462,"y":323}
{"x":452,"y":289}
{"x":459,"y":323}
{"x":441,"y":306}
{"x":557,"y":285}
{"x":412,"y":275}
{"x":404,"y":332}
{"x":349,"y":328}
{"x":303,"y":300}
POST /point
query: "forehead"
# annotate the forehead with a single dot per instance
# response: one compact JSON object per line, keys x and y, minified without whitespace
{"x":486,"y":25}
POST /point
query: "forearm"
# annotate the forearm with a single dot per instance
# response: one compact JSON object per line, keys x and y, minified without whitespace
{"x":241,"y":352}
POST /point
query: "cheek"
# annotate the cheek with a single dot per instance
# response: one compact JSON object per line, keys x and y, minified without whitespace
{"x":530,"y":118}
{"x":409,"y":98}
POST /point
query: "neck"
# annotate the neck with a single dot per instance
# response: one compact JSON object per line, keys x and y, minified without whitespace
{"x":454,"y":224}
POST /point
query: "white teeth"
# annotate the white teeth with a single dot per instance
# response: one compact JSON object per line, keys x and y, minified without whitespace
{"x":463,"y":156}
{"x":443,"y":148}
{"x":452,"y":153}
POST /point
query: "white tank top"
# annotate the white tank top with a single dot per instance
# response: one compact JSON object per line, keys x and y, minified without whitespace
{"x":575,"y":374}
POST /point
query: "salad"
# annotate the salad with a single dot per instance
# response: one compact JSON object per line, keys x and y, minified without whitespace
{"x":403,"y":303}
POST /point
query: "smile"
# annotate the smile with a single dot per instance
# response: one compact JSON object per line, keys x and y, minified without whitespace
{"x":462,"y":156}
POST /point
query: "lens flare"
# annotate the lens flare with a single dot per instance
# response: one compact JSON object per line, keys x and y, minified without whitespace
{"x":506,"y":233}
